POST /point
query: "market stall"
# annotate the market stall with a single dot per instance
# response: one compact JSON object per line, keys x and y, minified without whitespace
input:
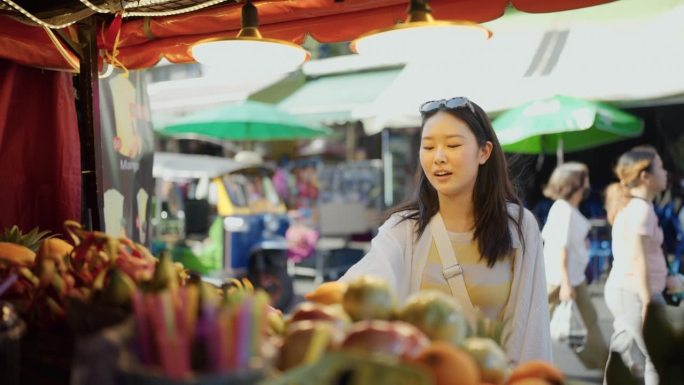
{"x":181,"y":330}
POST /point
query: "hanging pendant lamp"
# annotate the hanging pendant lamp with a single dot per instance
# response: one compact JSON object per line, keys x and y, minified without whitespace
{"x":249,"y":52}
{"x":420,"y":35}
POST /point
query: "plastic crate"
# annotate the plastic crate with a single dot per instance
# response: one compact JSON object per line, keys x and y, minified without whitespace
{"x":345,"y":369}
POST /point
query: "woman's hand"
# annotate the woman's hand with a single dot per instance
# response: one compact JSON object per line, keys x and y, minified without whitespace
{"x":567,"y":292}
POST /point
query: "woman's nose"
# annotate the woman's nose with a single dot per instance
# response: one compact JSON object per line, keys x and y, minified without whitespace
{"x":440,"y":156}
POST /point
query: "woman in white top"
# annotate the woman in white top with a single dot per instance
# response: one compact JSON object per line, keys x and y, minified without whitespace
{"x":566,"y":254}
{"x":639,"y":271}
{"x":464,"y":208}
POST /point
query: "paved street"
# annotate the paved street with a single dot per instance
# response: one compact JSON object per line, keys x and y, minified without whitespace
{"x":563,"y":357}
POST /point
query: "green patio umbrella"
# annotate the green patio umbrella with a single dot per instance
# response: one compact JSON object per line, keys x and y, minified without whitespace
{"x":247,"y":121}
{"x":563,"y":124}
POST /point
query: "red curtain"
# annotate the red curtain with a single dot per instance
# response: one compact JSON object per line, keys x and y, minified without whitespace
{"x":40,"y":161}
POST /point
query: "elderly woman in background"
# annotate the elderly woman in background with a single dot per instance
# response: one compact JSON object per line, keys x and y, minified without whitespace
{"x":566,"y":254}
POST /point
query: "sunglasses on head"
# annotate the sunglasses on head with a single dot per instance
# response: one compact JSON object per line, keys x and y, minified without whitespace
{"x":446,"y":104}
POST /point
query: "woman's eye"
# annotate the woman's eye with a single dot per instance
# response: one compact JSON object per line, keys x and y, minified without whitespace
{"x":454,"y":145}
{"x":427,"y":148}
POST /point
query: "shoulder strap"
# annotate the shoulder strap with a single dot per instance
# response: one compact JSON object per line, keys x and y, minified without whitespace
{"x":451,"y":269}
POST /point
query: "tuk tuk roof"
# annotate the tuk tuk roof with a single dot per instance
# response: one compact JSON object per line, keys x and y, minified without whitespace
{"x":190,"y":166}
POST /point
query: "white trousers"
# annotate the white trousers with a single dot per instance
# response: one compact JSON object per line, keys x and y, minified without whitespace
{"x":628,"y":338}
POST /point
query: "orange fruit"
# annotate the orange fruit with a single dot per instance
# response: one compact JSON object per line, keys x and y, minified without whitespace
{"x":449,"y":365}
{"x":536,"y":369}
{"x":14,"y":254}
{"x":328,"y":293}
{"x":54,"y":249}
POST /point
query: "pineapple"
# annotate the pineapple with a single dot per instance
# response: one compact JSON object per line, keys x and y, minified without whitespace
{"x":31,"y":240}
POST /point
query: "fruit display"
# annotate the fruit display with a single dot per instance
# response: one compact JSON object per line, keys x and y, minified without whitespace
{"x":426,"y":334}
{"x":392,"y":338}
{"x":341,"y":367}
{"x":437,"y":315}
{"x":328,"y":293}
{"x":490,"y":358}
{"x":449,"y":365}
{"x":69,"y":289}
{"x":88,"y":284}
{"x":538,"y":370}
{"x":186,"y":330}
{"x":306,"y":342}
{"x":369,"y":298}
{"x":318,"y":312}
{"x":31,"y":240}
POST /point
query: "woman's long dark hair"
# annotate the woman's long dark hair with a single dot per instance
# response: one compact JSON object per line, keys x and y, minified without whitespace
{"x":493,"y":190}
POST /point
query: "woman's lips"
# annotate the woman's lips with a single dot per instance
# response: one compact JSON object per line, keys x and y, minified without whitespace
{"x":442,"y":174}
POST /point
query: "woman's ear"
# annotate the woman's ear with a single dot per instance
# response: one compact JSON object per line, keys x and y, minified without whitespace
{"x":485,"y":152}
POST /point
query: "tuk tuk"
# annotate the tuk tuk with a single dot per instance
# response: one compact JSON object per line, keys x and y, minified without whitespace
{"x":223,"y":218}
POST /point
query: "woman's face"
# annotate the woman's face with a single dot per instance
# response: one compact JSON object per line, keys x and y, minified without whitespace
{"x":657,"y":177}
{"x":450,"y":156}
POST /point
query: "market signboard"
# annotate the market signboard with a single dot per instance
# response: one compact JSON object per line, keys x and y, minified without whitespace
{"x":127,"y":149}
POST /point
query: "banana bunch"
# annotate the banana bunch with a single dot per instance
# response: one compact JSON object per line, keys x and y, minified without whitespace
{"x":234,"y":291}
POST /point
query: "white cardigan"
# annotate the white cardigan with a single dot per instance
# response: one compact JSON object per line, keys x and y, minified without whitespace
{"x":396,"y":257}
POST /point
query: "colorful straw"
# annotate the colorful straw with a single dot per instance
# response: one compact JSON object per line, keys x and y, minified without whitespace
{"x":9,"y":281}
{"x":167,"y":325}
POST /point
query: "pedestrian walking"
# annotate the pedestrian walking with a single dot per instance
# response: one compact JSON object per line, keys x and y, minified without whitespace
{"x":639,"y":271}
{"x":566,"y":254}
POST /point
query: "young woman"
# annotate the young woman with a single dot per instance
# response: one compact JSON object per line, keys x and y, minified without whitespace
{"x":566,"y":254}
{"x":639,"y":271}
{"x":464,"y":231}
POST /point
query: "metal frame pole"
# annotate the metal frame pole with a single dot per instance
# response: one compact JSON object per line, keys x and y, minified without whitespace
{"x":88,"y":108}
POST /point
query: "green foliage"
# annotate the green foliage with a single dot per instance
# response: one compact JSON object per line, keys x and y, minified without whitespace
{"x":32,"y":239}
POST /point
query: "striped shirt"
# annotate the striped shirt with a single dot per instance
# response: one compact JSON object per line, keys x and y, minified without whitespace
{"x":488,"y":288}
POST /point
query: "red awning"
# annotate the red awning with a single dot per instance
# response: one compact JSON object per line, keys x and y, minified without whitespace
{"x":144,"y":41}
{"x":34,"y":46}
{"x":324,"y":20}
